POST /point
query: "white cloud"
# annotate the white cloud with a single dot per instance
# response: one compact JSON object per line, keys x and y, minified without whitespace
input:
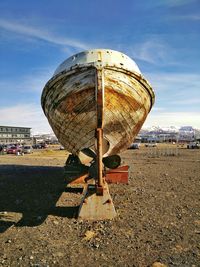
{"x":187,"y":101}
{"x":154,"y":51}
{"x":41,"y":34}
{"x":174,"y":3}
{"x":146,"y":51}
{"x":175,"y":93}
{"x":182,"y":83}
{"x":173,"y":119}
{"x":25,"y":115}
{"x":33,"y":82}
{"x":193,"y":17}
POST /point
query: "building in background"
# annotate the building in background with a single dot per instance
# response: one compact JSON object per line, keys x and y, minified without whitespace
{"x":184,"y":134}
{"x":15,"y":135}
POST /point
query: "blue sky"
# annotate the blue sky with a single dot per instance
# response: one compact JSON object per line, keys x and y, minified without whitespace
{"x":162,"y":36}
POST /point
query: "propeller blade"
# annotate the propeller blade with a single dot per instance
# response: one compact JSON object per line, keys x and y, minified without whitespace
{"x":112,"y":162}
{"x":89,"y":152}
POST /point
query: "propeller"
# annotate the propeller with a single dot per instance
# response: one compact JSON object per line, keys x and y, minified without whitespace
{"x":111,"y":162}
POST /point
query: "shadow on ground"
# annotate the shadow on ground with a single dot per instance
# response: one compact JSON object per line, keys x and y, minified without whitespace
{"x":31,"y":192}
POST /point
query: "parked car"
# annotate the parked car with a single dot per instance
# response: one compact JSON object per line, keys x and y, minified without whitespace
{"x":62,"y":148}
{"x":37,"y":146}
{"x":193,"y":145}
{"x":151,"y":144}
{"x":44,"y":145}
{"x":27,"y":150}
{"x":134,"y":146}
{"x":13,"y":150}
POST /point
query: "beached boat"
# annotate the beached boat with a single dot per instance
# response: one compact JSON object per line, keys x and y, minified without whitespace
{"x":97,"y":89}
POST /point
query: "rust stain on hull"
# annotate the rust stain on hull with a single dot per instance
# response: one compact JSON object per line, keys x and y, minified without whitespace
{"x":73,"y":103}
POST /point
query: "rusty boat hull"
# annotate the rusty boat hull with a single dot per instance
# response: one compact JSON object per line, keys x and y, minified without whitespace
{"x":97,"y":78}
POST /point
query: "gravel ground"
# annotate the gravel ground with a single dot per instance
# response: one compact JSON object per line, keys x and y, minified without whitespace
{"x":158,"y":213}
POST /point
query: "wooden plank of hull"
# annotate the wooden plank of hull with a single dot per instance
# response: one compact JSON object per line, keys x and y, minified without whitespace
{"x":70,"y":107}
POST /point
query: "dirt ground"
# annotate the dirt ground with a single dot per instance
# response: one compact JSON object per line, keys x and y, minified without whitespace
{"x":158,"y":212}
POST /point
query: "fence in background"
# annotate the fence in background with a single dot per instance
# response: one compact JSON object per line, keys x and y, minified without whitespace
{"x":158,"y":152}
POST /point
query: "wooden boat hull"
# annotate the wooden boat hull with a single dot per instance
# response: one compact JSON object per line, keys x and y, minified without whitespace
{"x":69,"y":101}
